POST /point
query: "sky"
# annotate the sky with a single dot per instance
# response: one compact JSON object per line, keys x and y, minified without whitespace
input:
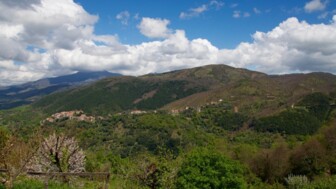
{"x":48,"y":38}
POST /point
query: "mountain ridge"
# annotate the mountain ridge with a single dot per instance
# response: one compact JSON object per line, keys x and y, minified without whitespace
{"x":13,"y":96}
{"x":251,"y":92}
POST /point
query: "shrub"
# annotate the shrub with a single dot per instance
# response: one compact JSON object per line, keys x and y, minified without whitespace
{"x":296,"y":181}
{"x":325,"y":183}
{"x":207,"y":169}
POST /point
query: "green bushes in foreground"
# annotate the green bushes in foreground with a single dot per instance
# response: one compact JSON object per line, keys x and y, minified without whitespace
{"x":208,"y":169}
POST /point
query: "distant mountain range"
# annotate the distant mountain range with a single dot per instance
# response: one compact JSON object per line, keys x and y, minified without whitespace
{"x":251,"y":92}
{"x":27,"y":93}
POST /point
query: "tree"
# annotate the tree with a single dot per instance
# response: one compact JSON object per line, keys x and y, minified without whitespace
{"x":298,"y":122}
{"x":309,"y":159}
{"x":58,"y":153}
{"x":208,"y":169}
{"x":271,"y":165}
{"x":329,"y":142}
{"x":317,"y":104}
{"x":15,"y":154}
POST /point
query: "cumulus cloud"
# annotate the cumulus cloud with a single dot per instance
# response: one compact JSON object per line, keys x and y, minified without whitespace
{"x":123,"y":17}
{"x":31,"y":30}
{"x":315,"y":5}
{"x":154,"y":27}
{"x":51,"y":38}
{"x":293,"y":46}
{"x":194,"y":12}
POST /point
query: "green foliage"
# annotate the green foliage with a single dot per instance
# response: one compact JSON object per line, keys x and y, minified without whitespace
{"x":289,"y":122}
{"x":329,"y":142}
{"x":4,"y":136}
{"x":28,"y":184}
{"x":23,"y":121}
{"x":318,"y":105}
{"x":219,"y":116}
{"x":130,"y":93}
{"x":208,"y":169}
{"x":158,"y":150}
{"x":271,"y":165}
{"x":324,"y":183}
{"x":167,"y":92}
{"x":129,"y":135}
{"x":31,"y":183}
{"x":309,"y":159}
{"x":251,"y":137}
{"x":230,"y":121}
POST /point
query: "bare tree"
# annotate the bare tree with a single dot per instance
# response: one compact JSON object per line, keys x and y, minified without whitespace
{"x":58,"y":153}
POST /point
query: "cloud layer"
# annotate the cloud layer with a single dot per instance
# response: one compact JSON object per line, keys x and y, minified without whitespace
{"x":49,"y":38}
{"x":293,"y":46}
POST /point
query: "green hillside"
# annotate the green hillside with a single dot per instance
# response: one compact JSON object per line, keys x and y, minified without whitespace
{"x":250,"y":92}
{"x":207,"y":127}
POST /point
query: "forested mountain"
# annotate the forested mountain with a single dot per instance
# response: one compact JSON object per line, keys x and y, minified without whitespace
{"x":13,"y":96}
{"x":207,"y":127}
{"x":250,"y":92}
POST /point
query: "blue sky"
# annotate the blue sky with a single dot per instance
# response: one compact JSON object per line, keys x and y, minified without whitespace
{"x":48,"y":38}
{"x":216,"y":24}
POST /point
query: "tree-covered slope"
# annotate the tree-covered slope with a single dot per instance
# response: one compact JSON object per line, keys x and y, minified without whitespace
{"x":119,"y":94}
{"x":14,"y":96}
{"x":248,"y":91}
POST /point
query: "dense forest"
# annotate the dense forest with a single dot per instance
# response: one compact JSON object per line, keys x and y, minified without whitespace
{"x":214,"y":146}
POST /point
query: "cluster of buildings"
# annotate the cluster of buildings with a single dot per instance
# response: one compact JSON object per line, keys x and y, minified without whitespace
{"x":77,"y":115}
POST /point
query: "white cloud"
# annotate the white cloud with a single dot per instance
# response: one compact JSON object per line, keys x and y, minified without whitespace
{"x":20,"y":3}
{"x":323,"y":15}
{"x":315,"y":5}
{"x":234,"y":5}
{"x":195,"y":12}
{"x":292,"y":46}
{"x":154,"y":27}
{"x":256,"y":10}
{"x":216,"y":4}
{"x":50,"y":38}
{"x":136,"y":16}
{"x":246,"y":14}
{"x":238,"y":14}
{"x":123,"y":17}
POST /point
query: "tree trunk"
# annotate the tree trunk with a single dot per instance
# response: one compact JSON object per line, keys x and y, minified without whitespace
{"x":9,"y":182}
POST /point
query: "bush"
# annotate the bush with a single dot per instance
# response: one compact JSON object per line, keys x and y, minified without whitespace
{"x":309,"y":159}
{"x":296,"y":181}
{"x":207,"y":169}
{"x":271,"y":165}
{"x":325,"y":183}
